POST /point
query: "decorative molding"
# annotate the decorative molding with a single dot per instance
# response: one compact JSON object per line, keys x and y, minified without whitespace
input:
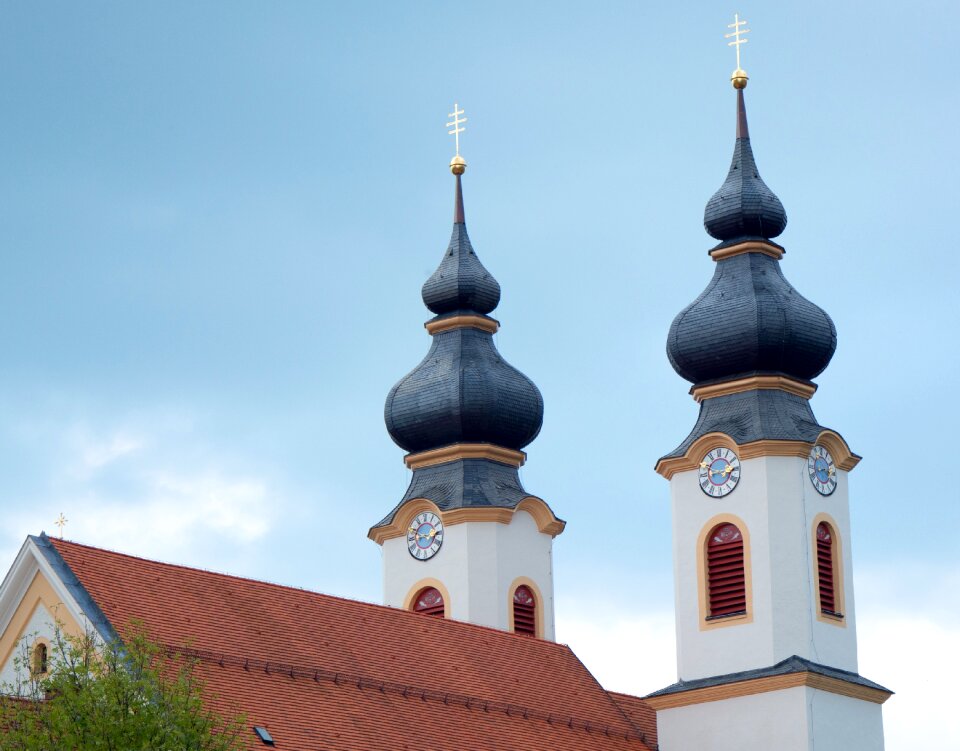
{"x":424,"y":584}
{"x":751,"y":246}
{"x":804,"y":389}
{"x":538,"y":610}
{"x":457,"y":451}
{"x":732,"y":620}
{"x":845,"y":459}
{"x":767,"y":684}
{"x":544,"y":518}
{"x":484,"y":323}
{"x":40,"y":592}
{"x":838,"y":568}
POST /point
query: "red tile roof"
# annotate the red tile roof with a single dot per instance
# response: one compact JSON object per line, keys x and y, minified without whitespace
{"x":321,"y":672}
{"x":643,"y":716}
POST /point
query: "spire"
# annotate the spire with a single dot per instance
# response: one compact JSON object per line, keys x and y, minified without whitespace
{"x":744,"y":207}
{"x":463,"y":391}
{"x":460,"y":283}
{"x":750,"y":322}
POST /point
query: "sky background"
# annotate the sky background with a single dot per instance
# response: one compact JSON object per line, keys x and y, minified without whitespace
{"x":216,"y":219}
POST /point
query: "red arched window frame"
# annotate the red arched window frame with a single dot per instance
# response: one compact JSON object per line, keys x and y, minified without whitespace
{"x":524,"y":611}
{"x":429,"y":601}
{"x":827,"y":570}
{"x":726,"y":575}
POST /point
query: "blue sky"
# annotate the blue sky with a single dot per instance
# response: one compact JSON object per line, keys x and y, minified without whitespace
{"x":217,"y":218}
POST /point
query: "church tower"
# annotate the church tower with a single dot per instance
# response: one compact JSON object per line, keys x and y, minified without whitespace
{"x":466,"y":540}
{"x":765,"y":617}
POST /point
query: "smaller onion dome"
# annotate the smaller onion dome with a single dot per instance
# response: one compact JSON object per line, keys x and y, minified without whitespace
{"x":461,"y":283}
{"x":744,"y":207}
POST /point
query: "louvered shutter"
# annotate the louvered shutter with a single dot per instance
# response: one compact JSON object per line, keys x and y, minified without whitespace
{"x":825,"y":569}
{"x":726,"y":581}
{"x":429,"y":602}
{"x":524,"y":611}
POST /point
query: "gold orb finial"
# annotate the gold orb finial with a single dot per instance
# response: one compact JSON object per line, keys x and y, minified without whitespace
{"x":739,"y":78}
{"x":458,"y":165}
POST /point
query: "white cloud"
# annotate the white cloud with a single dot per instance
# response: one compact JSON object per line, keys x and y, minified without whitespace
{"x":630,"y":652}
{"x":149,"y":487}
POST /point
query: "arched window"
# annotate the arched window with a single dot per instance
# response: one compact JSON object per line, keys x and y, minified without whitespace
{"x":524,"y":611}
{"x":429,"y":602}
{"x":726,"y":580}
{"x":39,"y":665}
{"x":826,"y":569}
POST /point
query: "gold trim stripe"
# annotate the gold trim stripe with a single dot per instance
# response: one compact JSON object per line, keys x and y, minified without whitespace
{"x":465,"y":451}
{"x":767,"y":684}
{"x":842,"y":455}
{"x":752,"y":246}
{"x":536,"y":507}
{"x":484,"y":323}
{"x":739,"y":385}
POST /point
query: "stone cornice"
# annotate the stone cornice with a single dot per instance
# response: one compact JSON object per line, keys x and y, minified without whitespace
{"x":842,"y":455}
{"x":765,"y":684}
{"x":536,"y":507}
{"x":458,"y":451}
{"x":484,"y":323}
{"x":805,"y":389}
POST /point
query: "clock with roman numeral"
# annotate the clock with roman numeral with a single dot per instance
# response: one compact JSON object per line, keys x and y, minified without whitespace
{"x":719,"y":472}
{"x":822,"y":470}
{"x":425,"y":536}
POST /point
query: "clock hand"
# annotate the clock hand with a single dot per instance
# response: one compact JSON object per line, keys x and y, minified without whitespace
{"x":704,"y":465}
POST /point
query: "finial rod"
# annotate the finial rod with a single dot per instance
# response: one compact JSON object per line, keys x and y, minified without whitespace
{"x":457,"y":165}
{"x":739,"y":77}
{"x":61,"y":522}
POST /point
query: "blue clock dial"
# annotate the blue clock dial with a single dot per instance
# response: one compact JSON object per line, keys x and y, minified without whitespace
{"x":822,"y":470}
{"x":425,"y":536}
{"x":719,"y":472}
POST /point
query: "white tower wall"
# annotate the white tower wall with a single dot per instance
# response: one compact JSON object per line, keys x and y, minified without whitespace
{"x":792,"y":719}
{"x":477,"y":568}
{"x":777,"y":508}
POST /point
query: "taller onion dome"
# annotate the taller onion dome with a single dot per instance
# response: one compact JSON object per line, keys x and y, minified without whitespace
{"x":750,"y":343}
{"x":463,"y":413}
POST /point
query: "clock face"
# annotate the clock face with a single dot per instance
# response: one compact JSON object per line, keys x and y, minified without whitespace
{"x":425,"y":536}
{"x":719,"y":472}
{"x":822,"y":470}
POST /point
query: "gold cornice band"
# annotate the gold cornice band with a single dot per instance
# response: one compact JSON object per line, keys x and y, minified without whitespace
{"x":536,"y":507}
{"x":804,"y":389}
{"x":768,"y":683}
{"x":751,"y":246}
{"x":842,"y":455}
{"x":484,"y":323}
{"x":465,"y":451}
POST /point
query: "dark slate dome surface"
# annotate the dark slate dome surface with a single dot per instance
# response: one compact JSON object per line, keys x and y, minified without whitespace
{"x":463,"y":392}
{"x":744,"y":207}
{"x":461,"y":283}
{"x":750,"y":319}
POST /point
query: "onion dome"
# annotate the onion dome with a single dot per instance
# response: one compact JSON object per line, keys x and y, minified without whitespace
{"x":744,"y":207}
{"x":749,"y":320}
{"x":463,"y":391}
{"x":461,"y":283}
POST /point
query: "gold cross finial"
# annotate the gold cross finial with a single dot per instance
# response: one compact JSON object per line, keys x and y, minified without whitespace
{"x":457,"y":164}
{"x":739,"y":76}
{"x":61,"y":522}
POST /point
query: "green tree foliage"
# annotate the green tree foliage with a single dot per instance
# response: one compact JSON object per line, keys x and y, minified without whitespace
{"x":121,"y":696}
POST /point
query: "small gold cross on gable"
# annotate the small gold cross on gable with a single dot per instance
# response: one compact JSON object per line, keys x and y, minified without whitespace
{"x":61,"y":522}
